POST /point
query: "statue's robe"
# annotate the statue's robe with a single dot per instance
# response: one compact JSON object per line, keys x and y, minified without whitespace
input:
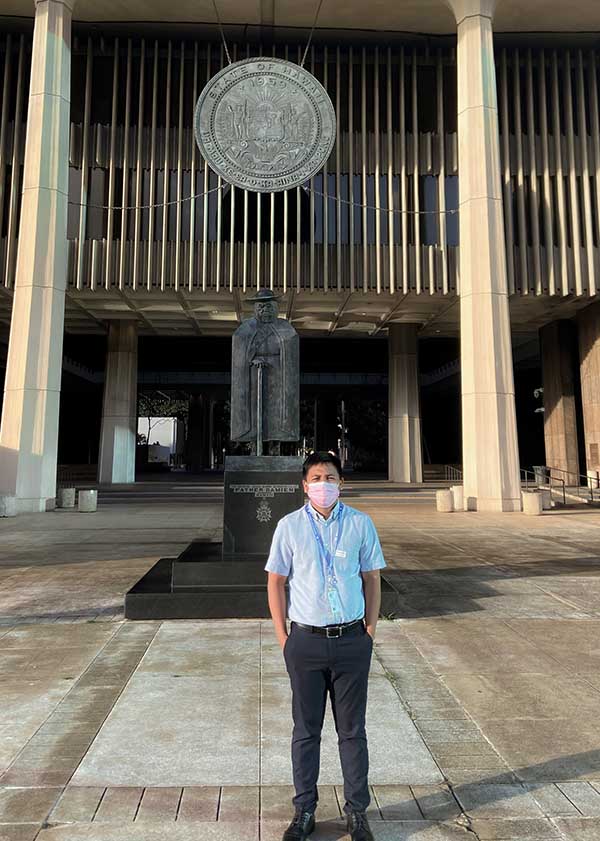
{"x":277,"y":344}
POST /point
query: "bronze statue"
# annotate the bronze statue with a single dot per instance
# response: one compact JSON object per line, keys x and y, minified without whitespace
{"x":265,"y":378}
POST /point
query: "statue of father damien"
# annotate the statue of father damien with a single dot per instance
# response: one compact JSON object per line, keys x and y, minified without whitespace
{"x":271,"y":344}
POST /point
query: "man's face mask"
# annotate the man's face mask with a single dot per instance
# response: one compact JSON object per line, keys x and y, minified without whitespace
{"x":323,"y":494}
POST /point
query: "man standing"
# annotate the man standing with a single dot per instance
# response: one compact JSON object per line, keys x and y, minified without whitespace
{"x":331,"y":556}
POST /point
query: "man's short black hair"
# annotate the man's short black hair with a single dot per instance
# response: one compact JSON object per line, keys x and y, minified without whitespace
{"x":321,"y":458}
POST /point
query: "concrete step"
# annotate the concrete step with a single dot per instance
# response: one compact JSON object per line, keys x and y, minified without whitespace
{"x":162,"y":492}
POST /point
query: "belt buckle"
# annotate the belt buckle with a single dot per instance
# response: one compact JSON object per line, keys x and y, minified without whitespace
{"x":333,"y":628}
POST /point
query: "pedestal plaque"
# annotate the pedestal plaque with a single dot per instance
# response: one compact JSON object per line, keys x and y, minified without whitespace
{"x":259,"y":491}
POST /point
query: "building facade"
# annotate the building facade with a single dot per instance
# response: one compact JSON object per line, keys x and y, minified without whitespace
{"x":462,"y":199}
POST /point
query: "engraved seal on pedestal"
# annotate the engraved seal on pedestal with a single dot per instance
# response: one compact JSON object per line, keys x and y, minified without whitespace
{"x":265,"y":124}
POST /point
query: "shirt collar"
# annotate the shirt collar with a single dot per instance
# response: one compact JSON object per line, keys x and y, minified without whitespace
{"x":335,"y":512}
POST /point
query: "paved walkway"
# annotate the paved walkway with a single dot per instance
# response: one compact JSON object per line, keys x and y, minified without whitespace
{"x":484,"y":696}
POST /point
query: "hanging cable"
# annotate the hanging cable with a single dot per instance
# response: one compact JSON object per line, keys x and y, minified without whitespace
{"x":306,"y":49}
{"x":331,"y":197}
{"x":156,"y":206}
{"x":221,"y":30}
{"x":312,"y":32}
{"x":328,"y":196}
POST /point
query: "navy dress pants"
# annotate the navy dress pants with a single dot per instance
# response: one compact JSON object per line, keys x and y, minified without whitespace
{"x":318,"y":666}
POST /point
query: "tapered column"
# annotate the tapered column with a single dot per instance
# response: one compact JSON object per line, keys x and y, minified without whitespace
{"x":211,"y":433}
{"x":179,"y":441}
{"x":490,"y":452}
{"x":29,"y":429}
{"x":405,"y":460}
{"x":116,"y":463}
{"x":588,"y":323}
{"x":197,"y":447}
{"x":560,"y":415}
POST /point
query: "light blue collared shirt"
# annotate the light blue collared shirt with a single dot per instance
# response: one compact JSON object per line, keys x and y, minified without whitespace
{"x":296,"y":554}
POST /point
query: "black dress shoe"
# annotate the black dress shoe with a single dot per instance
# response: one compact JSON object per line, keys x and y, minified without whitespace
{"x":358,"y":827}
{"x":300,"y":828}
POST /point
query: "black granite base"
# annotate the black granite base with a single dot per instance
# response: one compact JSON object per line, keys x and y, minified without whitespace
{"x":153,"y":598}
{"x":258,"y":492}
{"x":199,"y":584}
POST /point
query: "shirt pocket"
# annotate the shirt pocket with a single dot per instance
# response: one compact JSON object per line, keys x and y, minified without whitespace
{"x":349,"y":562}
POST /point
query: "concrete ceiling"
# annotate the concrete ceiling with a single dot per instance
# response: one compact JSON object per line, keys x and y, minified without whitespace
{"x":314,"y":314}
{"x":427,"y":16}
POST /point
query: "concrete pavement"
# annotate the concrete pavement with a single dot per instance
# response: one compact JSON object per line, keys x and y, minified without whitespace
{"x":483,"y":703}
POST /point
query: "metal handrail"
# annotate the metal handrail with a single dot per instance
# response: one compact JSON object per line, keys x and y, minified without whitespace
{"x":526,"y":473}
{"x":587,"y":483}
{"x":531,"y":479}
{"x":453,"y":474}
{"x":72,"y":475}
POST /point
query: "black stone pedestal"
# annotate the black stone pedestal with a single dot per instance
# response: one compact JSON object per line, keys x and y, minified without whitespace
{"x":200,"y":585}
{"x":223,"y":581}
{"x":228,"y":580}
{"x":259,"y":491}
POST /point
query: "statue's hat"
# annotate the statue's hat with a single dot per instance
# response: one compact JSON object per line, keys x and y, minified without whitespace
{"x":264,"y":295}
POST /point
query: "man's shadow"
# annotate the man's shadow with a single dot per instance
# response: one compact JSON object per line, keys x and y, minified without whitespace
{"x":447,"y":803}
{"x":415,"y":593}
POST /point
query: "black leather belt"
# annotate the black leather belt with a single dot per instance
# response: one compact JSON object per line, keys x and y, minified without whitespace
{"x":331,"y":631}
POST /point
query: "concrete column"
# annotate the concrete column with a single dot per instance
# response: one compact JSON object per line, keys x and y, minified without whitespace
{"x":116,"y":463}
{"x":211,"y":430}
{"x":588,"y":322}
{"x":489,"y":428}
{"x":179,"y":441}
{"x":405,"y":460}
{"x":29,"y":428}
{"x":196,"y":449}
{"x":560,"y":414}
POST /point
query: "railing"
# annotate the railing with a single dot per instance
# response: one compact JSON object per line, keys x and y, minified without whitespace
{"x":581,"y":489}
{"x":545,"y":477}
{"x":453,"y":474}
{"x":71,"y":475}
{"x":538,"y":481}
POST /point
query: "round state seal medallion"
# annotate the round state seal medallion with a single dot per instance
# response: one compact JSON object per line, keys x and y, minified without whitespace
{"x":265,"y":124}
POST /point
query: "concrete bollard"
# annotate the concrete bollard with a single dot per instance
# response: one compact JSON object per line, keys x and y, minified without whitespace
{"x":8,"y":506}
{"x":532,"y":503}
{"x":546,"y":495}
{"x":65,"y":498}
{"x":87,"y":501}
{"x":443,"y":501}
{"x":458,"y":497}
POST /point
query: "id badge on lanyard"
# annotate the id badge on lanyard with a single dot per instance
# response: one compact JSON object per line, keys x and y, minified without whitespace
{"x":333,"y":597}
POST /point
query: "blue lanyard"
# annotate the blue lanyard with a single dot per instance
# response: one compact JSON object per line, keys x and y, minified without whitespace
{"x":326,"y":553}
